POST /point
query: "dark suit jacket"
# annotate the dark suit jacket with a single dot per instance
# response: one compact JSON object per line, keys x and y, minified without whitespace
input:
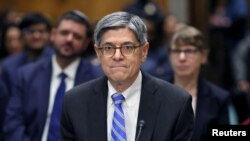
{"x":3,"y":103}
{"x":212,"y":108}
{"x":13,"y":63}
{"x":27,"y":109}
{"x":166,"y":110}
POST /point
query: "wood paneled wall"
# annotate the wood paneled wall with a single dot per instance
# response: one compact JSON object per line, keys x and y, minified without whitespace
{"x":94,"y":9}
{"x":198,"y":10}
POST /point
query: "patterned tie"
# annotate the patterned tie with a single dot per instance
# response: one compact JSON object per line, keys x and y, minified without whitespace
{"x":54,"y":128}
{"x":118,"y":132}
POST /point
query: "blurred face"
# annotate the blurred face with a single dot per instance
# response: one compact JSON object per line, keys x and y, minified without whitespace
{"x":13,"y":42}
{"x":187,"y":60}
{"x":36,"y":37}
{"x":121,"y":67}
{"x":70,"y":39}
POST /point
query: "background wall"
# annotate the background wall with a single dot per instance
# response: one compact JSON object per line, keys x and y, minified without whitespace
{"x":94,"y":9}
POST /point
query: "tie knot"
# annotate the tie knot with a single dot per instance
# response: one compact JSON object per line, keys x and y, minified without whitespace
{"x":118,"y":98}
{"x":62,"y":75}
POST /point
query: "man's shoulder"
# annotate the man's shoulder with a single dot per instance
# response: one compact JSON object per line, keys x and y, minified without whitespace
{"x":81,"y":94}
{"x":87,"y":67}
{"x":166,"y":89}
{"x":35,"y":68}
{"x":14,"y":61}
{"x":37,"y":65}
{"x":171,"y":98}
{"x":83,"y":89}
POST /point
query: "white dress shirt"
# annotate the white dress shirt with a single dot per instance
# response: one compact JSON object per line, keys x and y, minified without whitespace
{"x":70,"y":71}
{"x":194,"y":103}
{"x":130,"y":107}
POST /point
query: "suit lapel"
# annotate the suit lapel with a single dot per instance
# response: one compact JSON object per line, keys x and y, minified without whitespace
{"x":149,"y":105}
{"x":80,"y":74}
{"x":98,"y":111}
{"x":45,"y":78}
{"x":84,"y":72}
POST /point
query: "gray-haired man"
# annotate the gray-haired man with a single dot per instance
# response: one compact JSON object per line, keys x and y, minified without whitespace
{"x":126,"y":104}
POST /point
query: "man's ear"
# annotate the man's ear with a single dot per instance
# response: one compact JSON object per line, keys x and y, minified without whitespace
{"x":97,"y":51}
{"x":145,"y":51}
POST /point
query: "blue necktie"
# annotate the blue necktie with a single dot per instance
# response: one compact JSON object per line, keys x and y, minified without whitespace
{"x":118,"y":132}
{"x":54,"y":128}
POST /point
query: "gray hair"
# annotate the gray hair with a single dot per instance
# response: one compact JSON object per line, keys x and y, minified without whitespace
{"x":121,"y":20}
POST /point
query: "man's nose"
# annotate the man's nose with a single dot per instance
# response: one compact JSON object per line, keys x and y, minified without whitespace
{"x":117,"y":53}
{"x":70,"y":37}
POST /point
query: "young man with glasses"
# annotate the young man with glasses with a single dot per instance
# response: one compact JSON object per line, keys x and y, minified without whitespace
{"x":35,"y":30}
{"x":188,"y":54}
{"x":127,"y":103}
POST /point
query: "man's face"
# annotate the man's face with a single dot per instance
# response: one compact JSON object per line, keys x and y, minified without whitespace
{"x":69,"y":38}
{"x":36,"y":37}
{"x":119,"y":67}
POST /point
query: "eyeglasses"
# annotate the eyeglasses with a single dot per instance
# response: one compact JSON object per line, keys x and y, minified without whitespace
{"x":126,"y":49}
{"x":187,"y":52}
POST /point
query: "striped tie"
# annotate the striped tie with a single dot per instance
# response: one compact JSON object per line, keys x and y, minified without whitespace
{"x":118,"y":132}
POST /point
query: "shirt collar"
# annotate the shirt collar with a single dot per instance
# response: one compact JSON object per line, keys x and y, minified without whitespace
{"x":131,"y":94}
{"x":70,"y":70}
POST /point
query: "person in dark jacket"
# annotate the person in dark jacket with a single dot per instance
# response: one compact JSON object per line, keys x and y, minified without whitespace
{"x":35,"y":29}
{"x":154,"y":109}
{"x":188,"y":53}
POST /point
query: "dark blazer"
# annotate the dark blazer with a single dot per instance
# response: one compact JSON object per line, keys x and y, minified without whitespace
{"x":212,"y":108}
{"x":27,"y":110}
{"x":166,"y":110}
{"x":3,"y":103}
{"x":13,"y":63}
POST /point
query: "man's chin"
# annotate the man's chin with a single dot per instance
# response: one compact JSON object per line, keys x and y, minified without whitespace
{"x":118,"y":77}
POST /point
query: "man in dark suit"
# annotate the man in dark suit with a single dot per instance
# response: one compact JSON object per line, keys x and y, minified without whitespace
{"x":125,"y":104}
{"x":30,"y":112}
